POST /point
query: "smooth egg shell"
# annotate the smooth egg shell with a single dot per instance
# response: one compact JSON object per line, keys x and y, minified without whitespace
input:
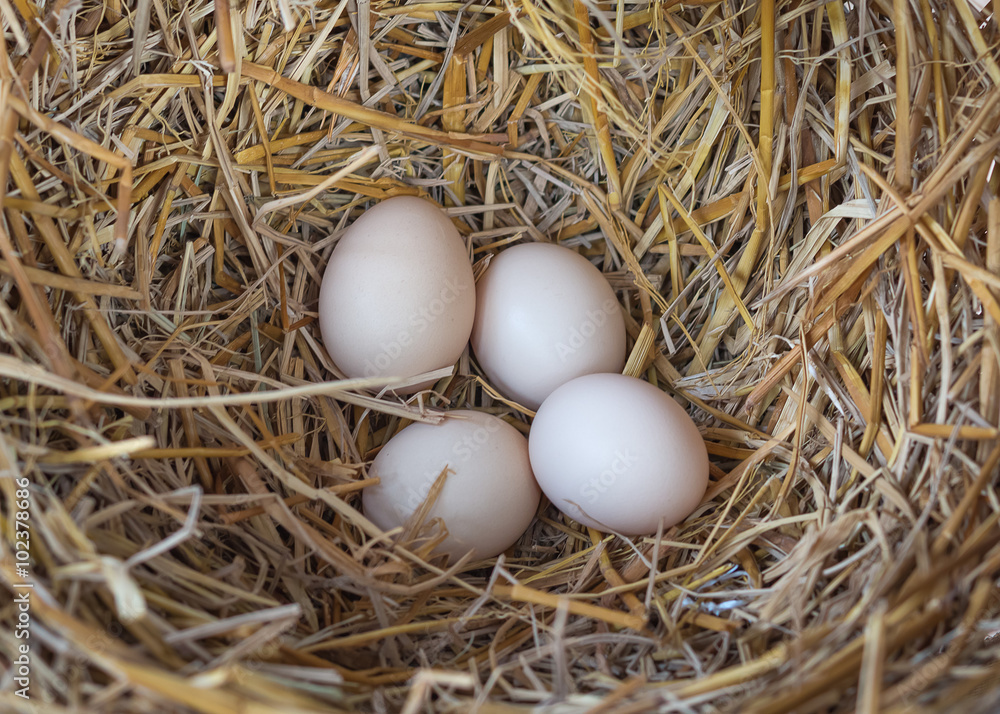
{"x":398,"y":296}
{"x":545,"y":315}
{"x":486,"y":503}
{"x":617,"y":454}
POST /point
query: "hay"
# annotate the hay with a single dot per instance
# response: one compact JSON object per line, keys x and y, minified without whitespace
{"x":804,"y":232}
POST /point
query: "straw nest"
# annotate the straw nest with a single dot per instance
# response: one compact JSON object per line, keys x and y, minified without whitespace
{"x":804,"y":232}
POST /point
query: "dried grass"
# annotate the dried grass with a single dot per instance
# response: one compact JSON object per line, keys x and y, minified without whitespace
{"x":804,"y":233}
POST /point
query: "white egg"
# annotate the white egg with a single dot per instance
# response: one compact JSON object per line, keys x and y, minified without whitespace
{"x":617,"y":454}
{"x":544,"y":316}
{"x":398,"y":296}
{"x":489,"y":496}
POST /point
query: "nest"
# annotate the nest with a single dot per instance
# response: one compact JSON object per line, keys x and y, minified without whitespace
{"x":797,"y":204}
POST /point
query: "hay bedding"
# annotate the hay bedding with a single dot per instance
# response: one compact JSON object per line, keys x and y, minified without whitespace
{"x":804,"y":230}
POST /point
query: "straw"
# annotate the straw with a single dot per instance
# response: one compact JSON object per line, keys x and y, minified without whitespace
{"x":797,"y":205}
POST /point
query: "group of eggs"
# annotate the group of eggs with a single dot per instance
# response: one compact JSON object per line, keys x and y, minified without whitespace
{"x":613,"y":452}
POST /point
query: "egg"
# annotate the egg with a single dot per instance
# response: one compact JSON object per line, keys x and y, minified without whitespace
{"x":544,"y":315}
{"x":489,"y":496}
{"x":398,"y":296}
{"x":617,"y":454}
